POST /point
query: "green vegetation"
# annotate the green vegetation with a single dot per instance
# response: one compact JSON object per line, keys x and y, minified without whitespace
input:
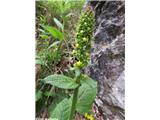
{"x":63,"y":43}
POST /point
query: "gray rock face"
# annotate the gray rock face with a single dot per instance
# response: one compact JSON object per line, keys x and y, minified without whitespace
{"x":107,"y":57}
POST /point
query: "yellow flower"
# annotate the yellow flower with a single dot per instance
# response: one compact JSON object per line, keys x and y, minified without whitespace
{"x":85,"y":115}
{"x":79,"y":63}
{"x":77,"y":45}
{"x":88,"y":117}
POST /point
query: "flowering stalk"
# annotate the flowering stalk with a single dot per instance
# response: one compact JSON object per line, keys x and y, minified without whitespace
{"x":82,"y":49}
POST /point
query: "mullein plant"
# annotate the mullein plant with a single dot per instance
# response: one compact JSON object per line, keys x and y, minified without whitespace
{"x":83,"y":38}
{"x":82,"y":48}
{"x":84,"y":88}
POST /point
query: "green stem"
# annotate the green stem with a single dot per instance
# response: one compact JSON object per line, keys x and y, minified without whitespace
{"x":74,"y":101}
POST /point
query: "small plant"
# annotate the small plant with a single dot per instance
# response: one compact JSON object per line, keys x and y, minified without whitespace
{"x":84,"y":88}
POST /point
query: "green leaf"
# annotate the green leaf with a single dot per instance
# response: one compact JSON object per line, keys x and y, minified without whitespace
{"x":40,"y":62}
{"x":62,"y":110}
{"x":38,"y":95}
{"x":86,"y":95}
{"x":54,"y":32}
{"x":44,"y":36}
{"x":61,"y":81}
{"x":89,"y":81}
{"x":58,"y":97}
{"x":54,"y":119}
{"x":49,"y":94}
{"x":58,"y":23}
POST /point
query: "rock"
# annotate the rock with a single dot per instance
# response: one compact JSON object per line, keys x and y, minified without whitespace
{"x":107,"y":57}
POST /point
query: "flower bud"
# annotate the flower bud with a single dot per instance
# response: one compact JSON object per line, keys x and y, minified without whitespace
{"x":77,"y":45}
{"x":85,"y":39}
{"x":81,"y":31}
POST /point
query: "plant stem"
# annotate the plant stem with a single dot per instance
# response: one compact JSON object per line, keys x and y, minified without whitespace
{"x":74,"y":101}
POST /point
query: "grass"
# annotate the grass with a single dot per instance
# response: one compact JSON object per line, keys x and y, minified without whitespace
{"x":53,"y":52}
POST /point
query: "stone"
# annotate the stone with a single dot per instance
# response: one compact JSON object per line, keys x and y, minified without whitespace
{"x":108,"y":58}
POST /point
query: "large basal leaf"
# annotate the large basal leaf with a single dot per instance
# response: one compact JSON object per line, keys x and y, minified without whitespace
{"x":62,"y":110}
{"x":86,"y":95}
{"x":58,"y":23}
{"x":61,"y":81}
{"x":54,"y":32}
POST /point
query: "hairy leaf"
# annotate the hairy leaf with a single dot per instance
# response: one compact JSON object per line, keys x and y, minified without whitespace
{"x":89,"y":81}
{"x":86,"y":95}
{"x":61,"y":81}
{"x":62,"y":110}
